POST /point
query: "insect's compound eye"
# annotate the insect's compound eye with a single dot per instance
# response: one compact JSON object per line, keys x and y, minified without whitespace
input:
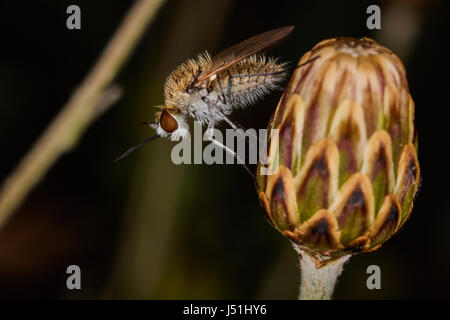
{"x":167,"y":122}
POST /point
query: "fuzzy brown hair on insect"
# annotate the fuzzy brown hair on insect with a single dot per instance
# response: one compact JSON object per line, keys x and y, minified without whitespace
{"x":244,"y":90}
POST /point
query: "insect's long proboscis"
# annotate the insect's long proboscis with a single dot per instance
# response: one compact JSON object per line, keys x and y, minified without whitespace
{"x":136,"y":147}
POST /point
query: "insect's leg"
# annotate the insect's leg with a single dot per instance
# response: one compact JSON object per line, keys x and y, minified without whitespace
{"x":240,"y":126}
{"x":228,"y":150}
{"x":230,"y":123}
{"x":221,"y":145}
{"x":230,"y":82}
{"x":235,"y":127}
{"x":307,"y":62}
{"x":221,"y":89}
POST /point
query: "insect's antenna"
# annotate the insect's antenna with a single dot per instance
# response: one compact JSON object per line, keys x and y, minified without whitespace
{"x":308,"y":61}
{"x":136,"y":147}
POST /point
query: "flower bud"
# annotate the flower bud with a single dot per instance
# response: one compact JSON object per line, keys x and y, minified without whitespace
{"x":347,"y":154}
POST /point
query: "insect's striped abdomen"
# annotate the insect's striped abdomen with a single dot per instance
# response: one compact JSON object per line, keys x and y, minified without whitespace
{"x":251,"y":79}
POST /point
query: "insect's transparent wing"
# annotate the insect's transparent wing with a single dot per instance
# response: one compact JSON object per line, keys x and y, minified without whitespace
{"x":262,"y":42}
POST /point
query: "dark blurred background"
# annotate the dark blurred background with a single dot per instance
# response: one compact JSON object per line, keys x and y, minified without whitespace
{"x":145,"y":228}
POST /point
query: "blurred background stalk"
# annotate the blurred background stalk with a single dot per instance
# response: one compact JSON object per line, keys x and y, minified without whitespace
{"x":86,"y":104}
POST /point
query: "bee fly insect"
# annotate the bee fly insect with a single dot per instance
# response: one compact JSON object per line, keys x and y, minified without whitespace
{"x":208,"y":89}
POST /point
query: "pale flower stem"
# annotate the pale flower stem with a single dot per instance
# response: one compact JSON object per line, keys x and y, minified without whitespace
{"x":318,"y":283}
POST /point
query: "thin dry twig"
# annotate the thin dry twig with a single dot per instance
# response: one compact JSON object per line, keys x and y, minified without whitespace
{"x":85,"y":105}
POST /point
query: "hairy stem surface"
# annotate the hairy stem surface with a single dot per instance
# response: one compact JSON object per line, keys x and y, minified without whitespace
{"x":317,"y":283}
